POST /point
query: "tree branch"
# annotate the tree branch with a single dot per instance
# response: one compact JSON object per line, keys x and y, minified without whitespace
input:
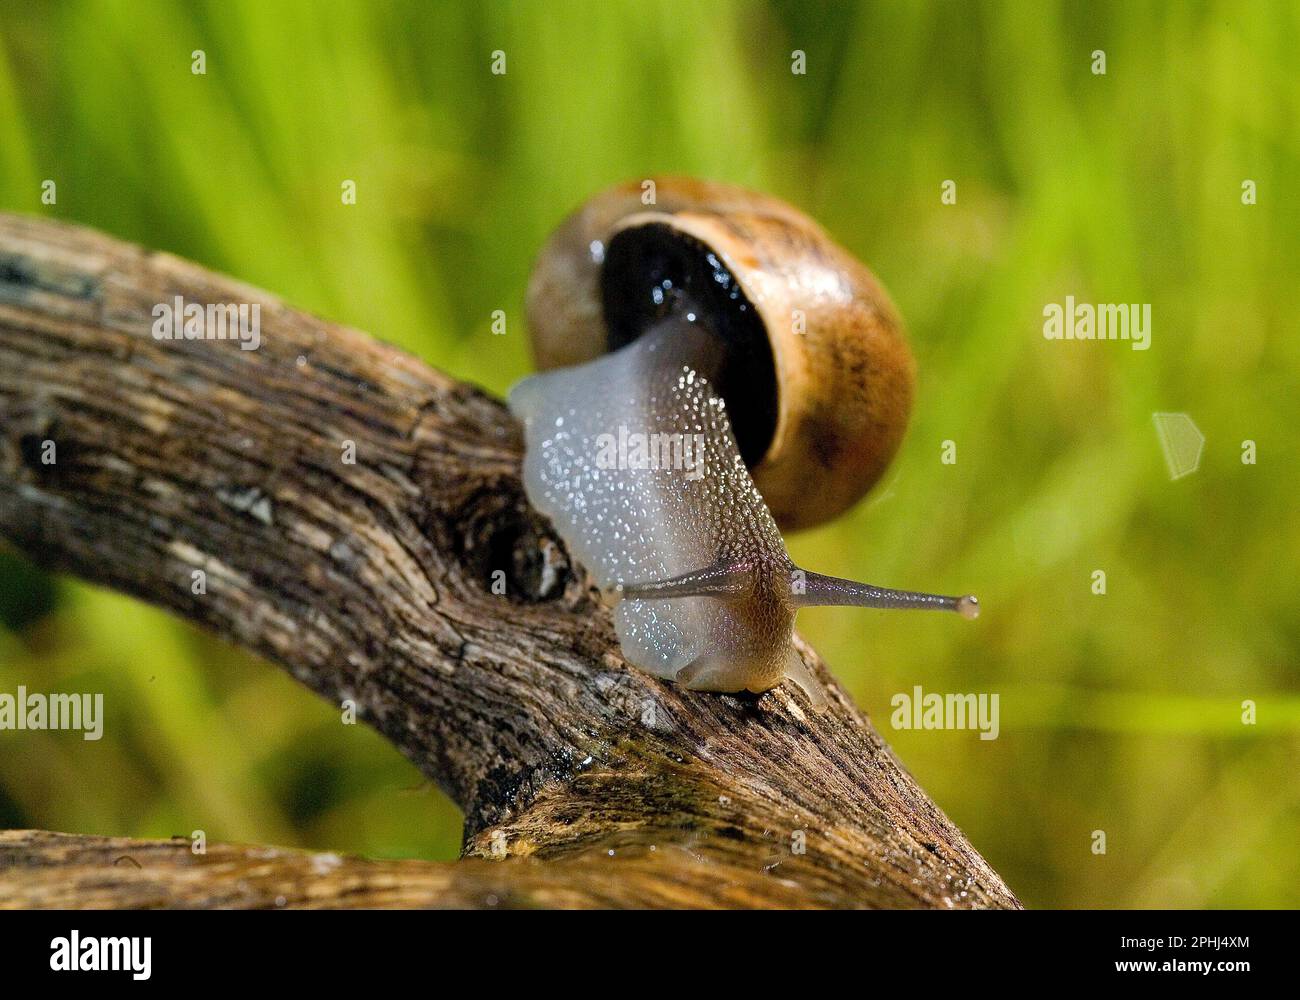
{"x":372,"y":582}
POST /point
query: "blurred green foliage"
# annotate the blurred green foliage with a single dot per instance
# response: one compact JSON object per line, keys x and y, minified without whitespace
{"x":1118,"y":713}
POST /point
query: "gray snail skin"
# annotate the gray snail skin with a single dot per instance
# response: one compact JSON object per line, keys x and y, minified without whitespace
{"x":716,"y":361}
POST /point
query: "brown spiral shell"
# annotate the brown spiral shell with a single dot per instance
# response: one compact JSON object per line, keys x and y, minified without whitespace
{"x":843,"y":372}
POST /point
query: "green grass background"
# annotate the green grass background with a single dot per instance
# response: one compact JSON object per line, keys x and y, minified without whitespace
{"x":1118,"y":713}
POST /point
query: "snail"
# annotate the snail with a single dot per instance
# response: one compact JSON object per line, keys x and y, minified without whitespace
{"x":711,"y":367}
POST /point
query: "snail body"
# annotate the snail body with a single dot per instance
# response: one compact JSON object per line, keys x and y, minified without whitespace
{"x":721,"y":333}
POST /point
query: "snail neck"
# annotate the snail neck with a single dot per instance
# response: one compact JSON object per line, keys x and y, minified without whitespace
{"x":655,"y":274}
{"x":678,"y":341}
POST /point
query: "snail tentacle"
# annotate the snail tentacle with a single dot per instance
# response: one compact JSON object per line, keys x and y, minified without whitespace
{"x":724,"y":579}
{"x":818,"y":591}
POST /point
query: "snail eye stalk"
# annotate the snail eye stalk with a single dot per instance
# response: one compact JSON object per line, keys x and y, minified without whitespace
{"x":819,"y":591}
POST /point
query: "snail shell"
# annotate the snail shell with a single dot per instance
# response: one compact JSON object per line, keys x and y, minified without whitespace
{"x":822,"y":398}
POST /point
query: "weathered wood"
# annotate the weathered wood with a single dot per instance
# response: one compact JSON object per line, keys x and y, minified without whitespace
{"x":60,"y":870}
{"x":372,"y":582}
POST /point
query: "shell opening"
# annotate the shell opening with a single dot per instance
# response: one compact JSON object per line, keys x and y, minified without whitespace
{"x":655,"y":271}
